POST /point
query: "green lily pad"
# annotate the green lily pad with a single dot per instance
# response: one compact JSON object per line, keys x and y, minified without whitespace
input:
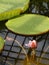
{"x":1,"y":43}
{"x":11,"y":8}
{"x":29,"y":24}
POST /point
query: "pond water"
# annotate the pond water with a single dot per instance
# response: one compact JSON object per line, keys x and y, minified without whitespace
{"x":14,"y":55}
{"x":29,"y":60}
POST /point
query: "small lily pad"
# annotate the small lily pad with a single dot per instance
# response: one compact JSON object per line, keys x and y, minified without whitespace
{"x":12,"y":8}
{"x":29,"y":24}
{"x":1,"y":43}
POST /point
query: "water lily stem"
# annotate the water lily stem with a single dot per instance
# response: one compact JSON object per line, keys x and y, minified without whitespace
{"x":33,"y":54}
{"x":11,"y":39}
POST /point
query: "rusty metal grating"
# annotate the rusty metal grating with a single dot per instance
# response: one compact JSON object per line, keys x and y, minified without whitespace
{"x":13,"y":53}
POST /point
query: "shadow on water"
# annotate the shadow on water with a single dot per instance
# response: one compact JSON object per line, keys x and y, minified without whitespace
{"x":2,"y":24}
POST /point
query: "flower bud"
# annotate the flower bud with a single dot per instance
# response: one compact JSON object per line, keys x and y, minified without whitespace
{"x":32,"y":44}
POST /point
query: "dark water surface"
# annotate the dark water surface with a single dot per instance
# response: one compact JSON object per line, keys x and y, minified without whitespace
{"x":13,"y":54}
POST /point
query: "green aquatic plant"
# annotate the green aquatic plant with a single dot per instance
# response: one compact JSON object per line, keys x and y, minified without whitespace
{"x":29,"y":59}
{"x":12,"y":8}
{"x":32,"y":59}
{"x":2,"y":41}
{"x":29,"y":24}
{"x":11,"y":39}
{"x":22,"y":24}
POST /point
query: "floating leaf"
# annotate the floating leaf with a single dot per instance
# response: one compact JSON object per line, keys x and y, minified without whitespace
{"x":1,"y":43}
{"x":11,"y":8}
{"x":29,"y":24}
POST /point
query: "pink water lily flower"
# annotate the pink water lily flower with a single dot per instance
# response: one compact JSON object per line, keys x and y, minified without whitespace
{"x":32,"y":44}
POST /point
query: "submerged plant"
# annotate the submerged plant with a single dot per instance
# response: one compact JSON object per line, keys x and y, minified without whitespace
{"x":30,"y":58}
{"x":32,"y":45}
{"x":22,"y":25}
{"x":32,"y":52}
{"x":11,"y":39}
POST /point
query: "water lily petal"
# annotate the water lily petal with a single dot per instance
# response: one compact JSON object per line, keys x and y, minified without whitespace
{"x":32,"y":44}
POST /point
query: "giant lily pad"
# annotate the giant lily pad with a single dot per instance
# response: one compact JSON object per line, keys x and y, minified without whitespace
{"x":11,"y":8}
{"x":1,"y":43}
{"x":29,"y":24}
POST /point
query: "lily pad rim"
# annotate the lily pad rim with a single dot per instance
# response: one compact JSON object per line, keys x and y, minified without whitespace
{"x":27,"y":35}
{"x":40,"y":33}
